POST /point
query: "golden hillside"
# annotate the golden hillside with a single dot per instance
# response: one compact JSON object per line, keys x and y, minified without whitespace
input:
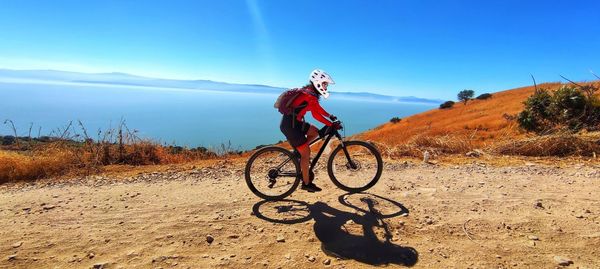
{"x":482,"y":121}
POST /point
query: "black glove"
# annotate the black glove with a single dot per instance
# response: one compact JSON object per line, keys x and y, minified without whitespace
{"x":336,"y":125}
{"x":332,"y":117}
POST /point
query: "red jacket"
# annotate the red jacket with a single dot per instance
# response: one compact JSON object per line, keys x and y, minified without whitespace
{"x":312,"y":105}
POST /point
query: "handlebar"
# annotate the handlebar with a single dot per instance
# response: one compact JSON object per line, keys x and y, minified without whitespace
{"x":327,"y":129}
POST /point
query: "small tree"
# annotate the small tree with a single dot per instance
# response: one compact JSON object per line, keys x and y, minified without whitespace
{"x":447,"y":104}
{"x":395,"y":120}
{"x":465,"y":95}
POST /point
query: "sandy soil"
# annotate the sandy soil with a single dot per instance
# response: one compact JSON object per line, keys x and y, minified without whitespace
{"x":425,"y":216}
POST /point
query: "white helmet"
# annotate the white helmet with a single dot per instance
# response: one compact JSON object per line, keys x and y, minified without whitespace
{"x":317,"y":77}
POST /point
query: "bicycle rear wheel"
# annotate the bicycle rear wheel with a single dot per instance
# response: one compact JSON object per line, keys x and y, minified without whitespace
{"x":358,"y":170}
{"x":272,"y":173}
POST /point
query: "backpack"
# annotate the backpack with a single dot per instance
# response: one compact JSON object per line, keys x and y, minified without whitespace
{"x":285,"y":100}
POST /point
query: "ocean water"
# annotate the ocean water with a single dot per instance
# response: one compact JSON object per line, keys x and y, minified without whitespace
{"x":173,"y":116}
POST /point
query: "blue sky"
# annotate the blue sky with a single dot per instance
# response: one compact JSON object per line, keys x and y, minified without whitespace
{"x":423,"y":48}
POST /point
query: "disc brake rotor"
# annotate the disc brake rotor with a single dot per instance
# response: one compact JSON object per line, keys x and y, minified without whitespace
{"x":357,"y":166}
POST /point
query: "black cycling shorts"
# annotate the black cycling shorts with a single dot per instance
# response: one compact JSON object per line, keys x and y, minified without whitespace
{"x":294,"y":130}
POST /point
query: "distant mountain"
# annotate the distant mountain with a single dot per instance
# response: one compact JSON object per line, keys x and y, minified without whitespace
{"x":387,"y":98}
{"x":123,"y":79}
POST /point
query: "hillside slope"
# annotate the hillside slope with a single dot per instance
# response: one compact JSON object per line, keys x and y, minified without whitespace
{"x":482,"y":121}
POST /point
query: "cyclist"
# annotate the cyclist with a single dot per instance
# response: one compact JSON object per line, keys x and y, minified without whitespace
{"x":298,"y":132}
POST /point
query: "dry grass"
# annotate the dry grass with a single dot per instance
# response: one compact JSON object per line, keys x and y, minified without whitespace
{"x":30,"y":166}
{"x":435,"y":145}
{"x":74,"y":152}
{"x":61,"y":158}
{"x":482,"y":120}
{"x":560,"y":145}
{"x":453,"y":146}
{"x":481,"y":124}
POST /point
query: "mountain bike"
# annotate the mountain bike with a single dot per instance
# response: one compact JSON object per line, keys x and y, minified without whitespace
{"x":273,"y":172}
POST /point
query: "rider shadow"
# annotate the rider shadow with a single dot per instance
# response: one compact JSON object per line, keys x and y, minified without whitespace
{"x":361,"y":244}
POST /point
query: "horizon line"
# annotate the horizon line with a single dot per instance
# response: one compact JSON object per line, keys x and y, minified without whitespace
{"x":216,"y":81}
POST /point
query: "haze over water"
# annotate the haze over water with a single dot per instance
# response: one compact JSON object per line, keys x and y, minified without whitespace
{"x":184,"y":117}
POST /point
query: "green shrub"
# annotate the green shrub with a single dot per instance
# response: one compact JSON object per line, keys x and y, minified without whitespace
{"x":484,"y":96}
{"x":260,"y":146}
{"x":447,"y":104}
{"x":536,"y":114}
{"x":568,"y":108}
{"x":200,"y":149}
{"x":8,"y":140}
{"x":175,"y":149}
{"x":395,"y":120}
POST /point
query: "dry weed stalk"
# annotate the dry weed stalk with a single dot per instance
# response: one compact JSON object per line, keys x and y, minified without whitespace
{"x":14,"y":129}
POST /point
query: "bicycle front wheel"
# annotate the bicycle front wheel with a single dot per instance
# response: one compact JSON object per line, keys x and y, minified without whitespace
{"x":355,"y":167}
{"x":272,"y":173}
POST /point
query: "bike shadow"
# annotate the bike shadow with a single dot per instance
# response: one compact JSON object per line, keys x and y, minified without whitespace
{"x":344,"y":234}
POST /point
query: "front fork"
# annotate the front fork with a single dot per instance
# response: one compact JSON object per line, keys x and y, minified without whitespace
{"x":316,"y":158}
{"x":350,"y":162}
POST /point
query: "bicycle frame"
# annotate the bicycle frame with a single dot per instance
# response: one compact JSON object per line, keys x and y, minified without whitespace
{"x":321,"y":150}
{"x":338,"y":165}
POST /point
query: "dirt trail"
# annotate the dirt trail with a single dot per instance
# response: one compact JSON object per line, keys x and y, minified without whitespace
{"x":419,"y":215}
